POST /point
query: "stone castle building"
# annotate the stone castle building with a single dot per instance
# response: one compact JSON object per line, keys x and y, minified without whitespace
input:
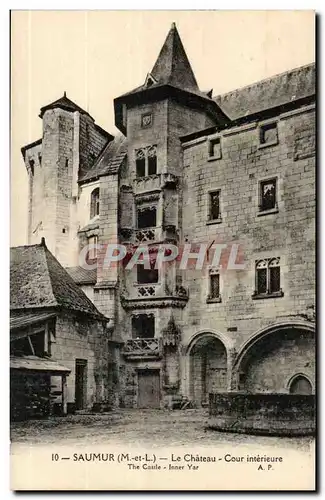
{"x":190,"y":167}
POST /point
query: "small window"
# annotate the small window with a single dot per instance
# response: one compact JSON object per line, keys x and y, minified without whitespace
{"x":94,"y":203}
{"x":146,"y":275}
{"x":40,"y":159}
{"x":92,"y":253}
{"x":143,"y":326}
{"x":152,"y":161}
{"x":214,"y":205}
{"x":146,"y":217}
{"x":269,"y":134}
{"x":268,"y":195}
{"x":268,"y":277}
{"x":215,"y":148}
{"x":146,"y":161}
{"x":214,"y":286}
{"x":140,"y":163}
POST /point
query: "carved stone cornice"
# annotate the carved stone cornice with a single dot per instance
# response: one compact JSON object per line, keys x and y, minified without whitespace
{"x":145,"y":198}
{"x":153,"y":302}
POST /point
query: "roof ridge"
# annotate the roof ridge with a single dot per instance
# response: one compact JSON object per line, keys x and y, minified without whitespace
{"x":25,"y":246}
{"x":264,"y":80}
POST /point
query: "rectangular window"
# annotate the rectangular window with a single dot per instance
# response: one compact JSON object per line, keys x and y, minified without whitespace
{"x":146,"y":161}
{"x":269,"y":134}
{"x":143,"y":326}
{"x":145,"y":276}
{"x":214,"y":286}
{"x":141,"y":167}
{"x":268,"y":277}
{"x":152,"y":165}
{"x":92,"y":252}
{"x":268,"y":195}
{"x":147,"y":217}
{"x":215,"y":148}
{"x":214,"y":205}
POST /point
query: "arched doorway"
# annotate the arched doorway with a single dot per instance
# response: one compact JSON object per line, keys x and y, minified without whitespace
{"x":208,"y":368}
{"x":300,"y":385}
{"x":268,"y":359}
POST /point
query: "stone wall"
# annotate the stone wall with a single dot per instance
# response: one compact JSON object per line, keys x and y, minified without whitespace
{"x":277,"y":359}
{"x":270,"y":414}
{"x":78,"y":337}
{"x":288,"y":233}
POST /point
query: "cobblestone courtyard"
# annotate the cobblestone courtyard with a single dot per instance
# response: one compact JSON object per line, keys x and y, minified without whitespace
{"x":139,"y":427}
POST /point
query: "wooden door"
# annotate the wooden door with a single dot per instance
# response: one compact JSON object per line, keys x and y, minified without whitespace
{"x":81,"y":384}
{"x":148,"y":389}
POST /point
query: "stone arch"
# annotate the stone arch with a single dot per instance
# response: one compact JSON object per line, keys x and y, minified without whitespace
{"x":268,"y":357}
{"x":297,"y":378}
{"x":207,"y":356}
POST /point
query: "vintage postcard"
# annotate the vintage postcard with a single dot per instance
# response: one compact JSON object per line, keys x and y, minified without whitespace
{"x":162,"y":273}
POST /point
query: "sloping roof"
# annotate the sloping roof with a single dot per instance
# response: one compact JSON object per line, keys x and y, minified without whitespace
{"x":23,"y":319}
{"x":269,"y":93}
{"x":63,"y":103}
{"x":172,"y":66}
{"x":37,"y":280}
{"x":109,"y":161}
{"x":82,"y":276}
{"x":36,"y":363}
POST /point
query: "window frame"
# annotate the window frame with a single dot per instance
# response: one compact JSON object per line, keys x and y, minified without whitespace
{"x":145,"y":150}
{"x":143,"y":208}
{"x":209,"y":219}
{"x":268,"y":293}
{"x":135,"y":319}
{"x":212,"y":140}
{"x":94,"y":203}
{"x":262,"y":126}
{"x":92,"y":256}
{"x":261,"y":212}
{"x":211,"y":298}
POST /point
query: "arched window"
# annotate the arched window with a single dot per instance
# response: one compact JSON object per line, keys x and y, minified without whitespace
{"x":300,"y":385}
{"x":94,"y":203}
{"x":268,"y":276}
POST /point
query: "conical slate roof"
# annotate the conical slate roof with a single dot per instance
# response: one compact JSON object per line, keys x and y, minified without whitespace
{"x":172,"y":66}
{"x":37,"y":280}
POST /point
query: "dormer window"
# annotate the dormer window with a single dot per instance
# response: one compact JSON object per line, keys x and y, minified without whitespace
{"x":150,"y":80}
{"x":94,"y":203}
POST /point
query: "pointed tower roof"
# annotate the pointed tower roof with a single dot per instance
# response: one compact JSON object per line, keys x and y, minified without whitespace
{"x":171,"y":77}
{"x":172,"y":66}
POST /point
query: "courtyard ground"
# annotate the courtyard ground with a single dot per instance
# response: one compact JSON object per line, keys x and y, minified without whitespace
{"x":152,"y":428}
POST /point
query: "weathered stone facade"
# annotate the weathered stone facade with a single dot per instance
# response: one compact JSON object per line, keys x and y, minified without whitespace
{"x":181,"y":150}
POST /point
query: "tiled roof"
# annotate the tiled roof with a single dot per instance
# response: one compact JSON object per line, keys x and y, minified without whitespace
{"x":20,"y":319}
{"x":82,"y":276}
{"x":109,"y":161}
{"x":269,"y":93}
{"x":37,"y":280}
{"x":36,"y":363}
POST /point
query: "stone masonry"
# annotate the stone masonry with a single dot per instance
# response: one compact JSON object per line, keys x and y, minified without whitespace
{"x":179,"y":147}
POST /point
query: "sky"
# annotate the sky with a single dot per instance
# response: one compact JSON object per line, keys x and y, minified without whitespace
{"x":96,"y":56}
